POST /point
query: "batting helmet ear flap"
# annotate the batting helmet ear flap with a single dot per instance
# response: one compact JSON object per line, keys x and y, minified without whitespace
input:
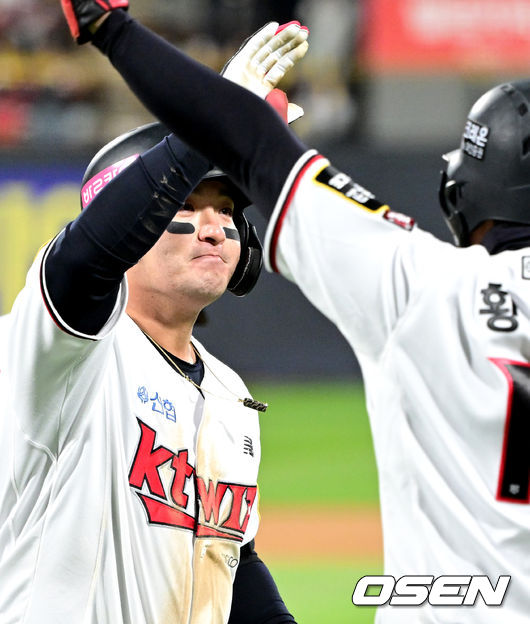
{"x":251,"y":260}
{"x":449,"y":195}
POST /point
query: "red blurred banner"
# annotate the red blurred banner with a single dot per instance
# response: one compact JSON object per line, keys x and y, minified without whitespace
{"x":447,"y":35}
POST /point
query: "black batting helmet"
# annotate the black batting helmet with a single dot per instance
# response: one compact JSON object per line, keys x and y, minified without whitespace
{"x":489,"y":176}
{"x":116,"y":155}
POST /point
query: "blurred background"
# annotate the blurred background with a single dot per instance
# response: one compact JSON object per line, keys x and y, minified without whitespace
{"x":386,"y":86}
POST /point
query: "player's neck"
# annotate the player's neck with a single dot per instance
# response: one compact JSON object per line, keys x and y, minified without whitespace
{"x":173,"y":335}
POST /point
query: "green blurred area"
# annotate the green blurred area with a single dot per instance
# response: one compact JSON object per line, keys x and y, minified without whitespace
{"x":316,"y":445}
{"x":317,"y":450}
{"x":322,"y":594}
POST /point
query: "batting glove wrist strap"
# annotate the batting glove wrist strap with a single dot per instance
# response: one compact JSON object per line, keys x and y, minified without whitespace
{"x":81,"y":14}
{"x":288,"y":111}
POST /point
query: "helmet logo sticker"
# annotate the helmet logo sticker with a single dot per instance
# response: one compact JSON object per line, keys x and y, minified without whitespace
{"x":475,"y":139}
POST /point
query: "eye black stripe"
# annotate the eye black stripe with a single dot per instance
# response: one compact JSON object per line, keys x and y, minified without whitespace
{"x":176,"y":227}
{"x":231,"y":233}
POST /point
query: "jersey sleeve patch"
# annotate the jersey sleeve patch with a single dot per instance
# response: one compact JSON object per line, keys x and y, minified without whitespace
{"x":342,"y":183}
{"x":399,"y":219}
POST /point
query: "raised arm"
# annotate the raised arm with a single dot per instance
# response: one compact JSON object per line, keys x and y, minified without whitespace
{"x":86,"y":264}
{"x":319,"y":218}
{"x":232,"y":127}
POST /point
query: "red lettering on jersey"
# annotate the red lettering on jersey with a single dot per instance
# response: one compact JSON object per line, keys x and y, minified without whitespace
{"x":234,"y":519}
{"x":168,"y":503}
{"x":211,"y":498}
{"x":147,"y":462}
{"x":252,"y":492}
{"x":206,"y":531}
{"x":160,"y":513}
{"x":145,"y":469}
{"x":183,"y":471}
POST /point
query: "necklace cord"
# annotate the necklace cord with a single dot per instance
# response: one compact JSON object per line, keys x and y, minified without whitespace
{"x":248,"y":402}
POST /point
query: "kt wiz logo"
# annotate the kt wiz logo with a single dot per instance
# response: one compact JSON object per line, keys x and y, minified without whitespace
{"x":160,"y":477}
{"x":411,"y":591}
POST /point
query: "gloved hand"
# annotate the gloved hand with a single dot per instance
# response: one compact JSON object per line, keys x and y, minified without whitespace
{"x":265,"y":57}
{"x":82,"y":14}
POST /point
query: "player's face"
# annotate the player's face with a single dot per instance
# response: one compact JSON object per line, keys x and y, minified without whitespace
{"x":197,"y":254}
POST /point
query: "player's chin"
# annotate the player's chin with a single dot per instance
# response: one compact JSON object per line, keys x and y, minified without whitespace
{"x":213,"y":284}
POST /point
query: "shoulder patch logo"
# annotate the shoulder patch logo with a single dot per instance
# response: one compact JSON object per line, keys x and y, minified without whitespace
{"x":343,"y":184}
{"x":399,"y":219}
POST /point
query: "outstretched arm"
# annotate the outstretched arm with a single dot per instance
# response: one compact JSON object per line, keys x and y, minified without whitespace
{"x":85,"y":265}
{"x":291,"y":185}
{"x":225,"y":122}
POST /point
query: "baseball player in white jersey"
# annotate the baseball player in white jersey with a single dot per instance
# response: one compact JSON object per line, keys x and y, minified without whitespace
{"x":441,"y":332}
{"x":129,"y":454}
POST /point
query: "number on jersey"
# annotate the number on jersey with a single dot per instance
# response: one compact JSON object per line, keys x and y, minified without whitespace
{"x":514,"y":475}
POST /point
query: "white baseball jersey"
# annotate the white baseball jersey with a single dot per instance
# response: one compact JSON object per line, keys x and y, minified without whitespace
{"x":4,"y":333}
{"x":442,"y":335}
{"x":125,"y":494}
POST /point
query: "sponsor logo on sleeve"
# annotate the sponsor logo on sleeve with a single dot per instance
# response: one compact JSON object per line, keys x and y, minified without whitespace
{"x":399,"y":219}
{"x":343,"y":184}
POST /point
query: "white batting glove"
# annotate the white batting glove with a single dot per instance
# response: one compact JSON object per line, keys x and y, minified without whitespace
{"x":266,"y":56}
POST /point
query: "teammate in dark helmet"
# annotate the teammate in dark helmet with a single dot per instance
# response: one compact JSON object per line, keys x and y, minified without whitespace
{"x":487,"y":180}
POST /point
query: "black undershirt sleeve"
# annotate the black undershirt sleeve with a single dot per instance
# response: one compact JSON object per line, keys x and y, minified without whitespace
{"x":87,"y":261}
{"x":256,"y":599}
{"x":232,"y":127}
